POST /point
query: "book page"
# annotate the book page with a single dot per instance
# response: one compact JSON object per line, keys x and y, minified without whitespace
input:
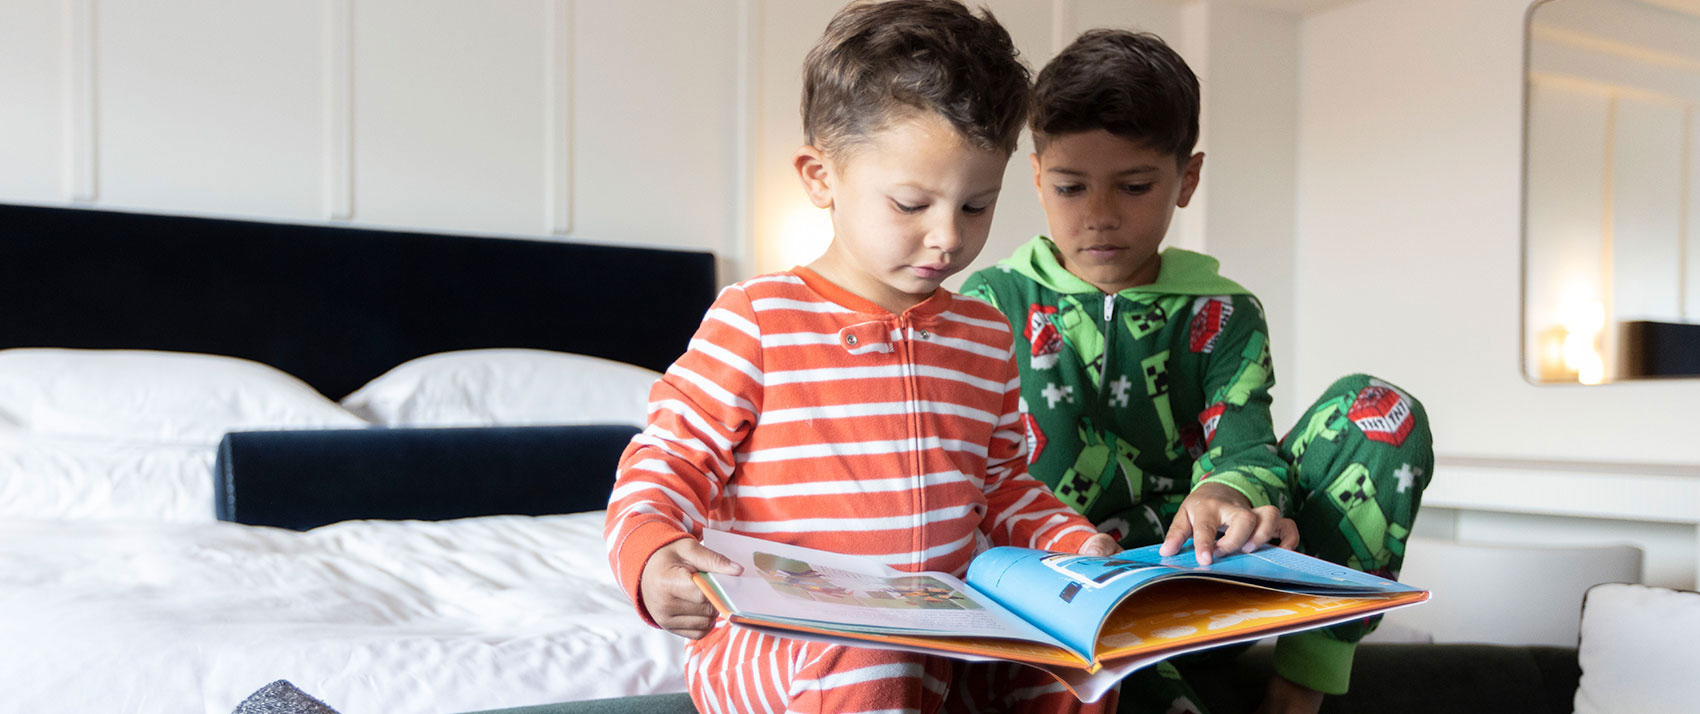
{"x":784,"y":584}
{"x":1069,"y":596}
{"x":1066,"y":595}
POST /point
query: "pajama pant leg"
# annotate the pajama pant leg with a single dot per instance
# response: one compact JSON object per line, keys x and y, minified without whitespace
{"x":734,"y":670}
{"x":1158,"y":689}
{"x":1361,"y":456}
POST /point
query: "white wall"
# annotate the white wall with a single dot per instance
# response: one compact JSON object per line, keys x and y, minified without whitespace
{"x":1410,"y":135}
{"x":602,"y":121}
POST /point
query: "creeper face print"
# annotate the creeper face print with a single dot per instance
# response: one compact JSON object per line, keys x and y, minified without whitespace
{"x":1081,"y":332}
{"x":1156,"y":370}
{"x":1325,"y":423}
{"x":1093,"y":469}
{"x":1145,"y":323}
{"x":1364,"y":523}
{"x":1253,"y":372}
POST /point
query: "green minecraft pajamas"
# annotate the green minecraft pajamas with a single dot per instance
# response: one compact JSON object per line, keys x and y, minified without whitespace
{"x":1132,"y":399}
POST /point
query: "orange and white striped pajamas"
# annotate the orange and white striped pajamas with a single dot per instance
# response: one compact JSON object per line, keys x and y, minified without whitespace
{"x":804,"y":414}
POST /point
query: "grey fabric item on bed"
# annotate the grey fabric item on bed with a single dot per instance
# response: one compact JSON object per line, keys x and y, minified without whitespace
{"x":281,"y":697}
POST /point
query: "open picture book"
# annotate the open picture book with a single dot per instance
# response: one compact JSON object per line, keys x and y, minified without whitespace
{"x":1089,"y":621}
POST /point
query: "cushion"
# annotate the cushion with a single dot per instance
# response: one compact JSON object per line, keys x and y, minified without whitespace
{"x":506,"y":387}
{"x":154,"y":397}
{"x":46,"y":477}
{"x":1638,"y":651}
{"x":306,"y":479}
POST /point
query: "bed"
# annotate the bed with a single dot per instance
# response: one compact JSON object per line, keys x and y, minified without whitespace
{"x":367,"y":462}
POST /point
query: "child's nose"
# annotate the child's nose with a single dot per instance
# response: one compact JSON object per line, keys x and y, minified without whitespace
{"x":946,"y":237}
{"x":1104,"y":214}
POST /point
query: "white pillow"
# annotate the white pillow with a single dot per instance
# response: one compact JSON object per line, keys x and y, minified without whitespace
{"x":510,"y":387}
{"x":155,"y":397}
{"x":68,"y":479}
{"x":1638,"y":651}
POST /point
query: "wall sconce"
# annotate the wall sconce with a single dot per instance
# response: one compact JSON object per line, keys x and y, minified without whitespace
{"x":804,"y":233}
{"x":1580,"y":346}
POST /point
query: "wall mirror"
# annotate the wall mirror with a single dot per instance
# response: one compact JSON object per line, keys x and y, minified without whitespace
{"x":1611,"y":214}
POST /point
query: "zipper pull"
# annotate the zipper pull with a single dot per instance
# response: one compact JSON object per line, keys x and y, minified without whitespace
{"x":1109,"y":307}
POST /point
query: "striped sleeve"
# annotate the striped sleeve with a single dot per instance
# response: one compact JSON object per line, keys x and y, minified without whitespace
{"x":1020,"y":510}
{"x":674,"y":473}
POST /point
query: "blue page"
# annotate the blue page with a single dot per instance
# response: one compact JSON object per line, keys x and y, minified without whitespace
{"x":1068,"y":596}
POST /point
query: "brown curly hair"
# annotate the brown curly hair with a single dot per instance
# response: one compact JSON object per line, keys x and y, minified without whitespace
{"x":879,"y":60}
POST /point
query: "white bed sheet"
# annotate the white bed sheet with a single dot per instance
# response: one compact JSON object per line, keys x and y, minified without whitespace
{"x":370,"y":616}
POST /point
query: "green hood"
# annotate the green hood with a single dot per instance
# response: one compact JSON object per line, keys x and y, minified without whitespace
{"x":1182,"y":272}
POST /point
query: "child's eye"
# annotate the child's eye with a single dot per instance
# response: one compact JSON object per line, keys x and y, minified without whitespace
{"x":908,"y":209}
{"x":1137,"y":188}
{"x":975,"y":210}
{"x":1068,"y":189}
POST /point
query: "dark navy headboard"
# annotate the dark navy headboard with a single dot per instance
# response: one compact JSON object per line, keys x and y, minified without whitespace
{"x":334,"y":306}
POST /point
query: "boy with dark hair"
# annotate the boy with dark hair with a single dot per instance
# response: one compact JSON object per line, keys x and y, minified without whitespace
{"x":1146,"y":374}
{"x":854,"y":405}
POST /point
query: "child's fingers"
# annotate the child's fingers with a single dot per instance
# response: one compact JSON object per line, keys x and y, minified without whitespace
{"x":1100,"y":546}
{"x":691,"y":627}
{"x":1179,"y":530}
{"x":1204,"y":538}
{"x":1288,"y":530}
{"x":708,"y":561}
{"x":1268,"y":527}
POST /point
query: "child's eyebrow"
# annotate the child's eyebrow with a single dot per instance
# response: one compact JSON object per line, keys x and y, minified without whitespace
{"x":1144,"y":169}
{"x":987,"y":192}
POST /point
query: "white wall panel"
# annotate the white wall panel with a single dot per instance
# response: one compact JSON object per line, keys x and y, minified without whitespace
{"x":208,"y":106}
{"x":32,"y":134}
{"x":655,"y":122}
{"x":1019,"y":216}
{"x":1163,"y":18}
{"x":1249,"y":77}
{"x":448,"y":114}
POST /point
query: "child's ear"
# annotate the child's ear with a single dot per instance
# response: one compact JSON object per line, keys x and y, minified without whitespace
{"x":816,"y":176}
{"x":1037,"y":172}
{"x":1189,"y":178}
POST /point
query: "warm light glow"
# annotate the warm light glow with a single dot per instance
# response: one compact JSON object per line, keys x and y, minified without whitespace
{"x":1582,"y":322}
{"x":803,"y":236}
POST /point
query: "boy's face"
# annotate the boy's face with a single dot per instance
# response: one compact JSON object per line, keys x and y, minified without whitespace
{"x":1108,"y":201}
{"x":911,"y":206}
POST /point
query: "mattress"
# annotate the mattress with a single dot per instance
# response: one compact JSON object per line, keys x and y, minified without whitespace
{"x":369,"y":616}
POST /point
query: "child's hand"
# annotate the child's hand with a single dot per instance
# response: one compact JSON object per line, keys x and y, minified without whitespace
{"x":673,"y":600}
{"x":1214,"y":506}
{"x":1100,"y":545}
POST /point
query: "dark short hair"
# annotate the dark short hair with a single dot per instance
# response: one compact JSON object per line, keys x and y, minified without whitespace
{"x":1131,"y":84}
{"x":878,"y":60}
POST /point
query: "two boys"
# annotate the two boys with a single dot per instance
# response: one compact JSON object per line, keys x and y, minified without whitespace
{"x":854,"y":405}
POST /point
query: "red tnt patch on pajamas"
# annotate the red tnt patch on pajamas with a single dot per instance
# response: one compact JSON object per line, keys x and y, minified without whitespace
{"x":1035,"y":438}
{"x":1209,"y":316}
{"x":1382,"y":413}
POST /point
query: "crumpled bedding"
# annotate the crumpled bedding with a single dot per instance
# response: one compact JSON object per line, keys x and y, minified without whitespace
{"x":369,"y":616}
